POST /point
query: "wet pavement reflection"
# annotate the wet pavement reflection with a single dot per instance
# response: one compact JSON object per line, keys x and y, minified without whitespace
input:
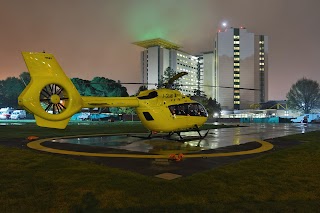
{"x":216,"y":138}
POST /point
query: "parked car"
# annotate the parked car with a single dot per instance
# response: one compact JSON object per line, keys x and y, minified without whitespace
{"x":5,"y":112}
{"x":84,"y":116}
{"x":18,"y":114}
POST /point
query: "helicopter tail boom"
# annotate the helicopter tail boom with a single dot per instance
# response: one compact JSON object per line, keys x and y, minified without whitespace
{"x":89,"y":102}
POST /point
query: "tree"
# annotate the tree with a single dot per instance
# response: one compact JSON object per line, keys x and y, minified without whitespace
{"x":211,"y":105}
{"x":198,"y":92}
{"x":123,"y":110}
{"x":25,"y":78}
{"x":141,"y":88}
{"x":83,"y":86}
{"x":304,"y":95}
{"x":10,"y":89}
{"x":105,"y":87}
{"x":167,"y":75}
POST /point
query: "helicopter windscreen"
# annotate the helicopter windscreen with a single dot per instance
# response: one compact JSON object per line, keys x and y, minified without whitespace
{"x":191,"y":109}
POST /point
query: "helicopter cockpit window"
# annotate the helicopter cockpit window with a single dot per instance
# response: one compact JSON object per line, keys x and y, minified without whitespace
{"x":189,"y":109}
{"x":152,"y":94}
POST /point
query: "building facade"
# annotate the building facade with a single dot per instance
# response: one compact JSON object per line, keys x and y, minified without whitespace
{"x":240,"y":68}
{"x":160,"y":54}
{"x":235,"y":73}
{"x":205,"y":71}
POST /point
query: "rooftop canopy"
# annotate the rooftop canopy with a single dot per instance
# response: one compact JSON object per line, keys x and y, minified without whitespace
{"x":157,"y":42}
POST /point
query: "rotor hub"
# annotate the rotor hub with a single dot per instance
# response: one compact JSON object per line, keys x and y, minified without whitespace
{"x":55,"y":99}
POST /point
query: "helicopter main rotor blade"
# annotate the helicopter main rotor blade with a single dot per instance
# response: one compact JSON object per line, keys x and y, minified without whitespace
{"x":174,"y":78}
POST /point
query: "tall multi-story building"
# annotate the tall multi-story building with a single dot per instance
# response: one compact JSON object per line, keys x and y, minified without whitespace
{"x":205,"y":72}
{"x":261,"y":66}
{"x":235,"y":73}
{"x":240,"y":68}
{"x":160,"y":54}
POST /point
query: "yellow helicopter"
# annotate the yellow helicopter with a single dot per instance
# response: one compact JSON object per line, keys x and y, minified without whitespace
{"x":53,"y":99}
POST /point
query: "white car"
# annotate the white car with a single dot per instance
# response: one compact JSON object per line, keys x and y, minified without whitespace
{"x":5,"y":113}
{"x":18,"y":114}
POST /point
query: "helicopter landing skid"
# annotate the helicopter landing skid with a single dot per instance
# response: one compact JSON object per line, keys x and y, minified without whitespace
{"x":181,"y":138}
{"x":200,"y":136}
{"x":170,"y":134}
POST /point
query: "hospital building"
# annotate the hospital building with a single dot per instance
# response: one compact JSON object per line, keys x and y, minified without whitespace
{"x":235,"y":72}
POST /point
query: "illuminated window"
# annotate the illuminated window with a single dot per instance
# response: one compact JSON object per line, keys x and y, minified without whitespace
{"x":261,"y":58}
{"x":236,"y":64}
{"x":236,"y":48}
{"x":261,"y":53}
{"x":236,"y":97}
{"x":236,"y":80}
{"x":236,"y":75}
{"x":236,"y":69}
{"x":236,"y":86}
{"x":236,"y":53}
{"x":236,"y":42}
{"x":237,"y":59}
{"x":236,"y":37}
{"x":236,"y":91}
{"x":236,"y":102}
{"x":261,"y":64}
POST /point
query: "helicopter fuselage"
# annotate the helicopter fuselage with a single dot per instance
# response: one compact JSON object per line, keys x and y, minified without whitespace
{"x":167,"y":110}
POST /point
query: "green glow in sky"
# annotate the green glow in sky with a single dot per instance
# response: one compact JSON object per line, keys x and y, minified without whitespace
{"x":163,"y":19}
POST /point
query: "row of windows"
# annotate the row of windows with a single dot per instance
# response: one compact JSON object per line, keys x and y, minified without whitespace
{"x":187,"y":70}
{"x":261,"y":58}
{"x":190,"y":81}
{"x":236,"y":53}
{"x":187,"y":66}
{"x":236,"y":64}
{"x":236,"y":42}
{"x":261,"y":64}
{"x":261,"y":53}
{"x":261,"y":42}
{"x":236,"y":80}
{"x":236,"y":37}
{"x":236,"y":75}
{"x":236,"y":96}
{"x":191,"y":58}
{"x":236,"y":102}
{"x":185,"y":90}
{"x":186,"y":62}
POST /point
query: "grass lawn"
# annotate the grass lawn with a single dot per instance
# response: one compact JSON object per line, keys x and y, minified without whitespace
{"x":283,"y":181}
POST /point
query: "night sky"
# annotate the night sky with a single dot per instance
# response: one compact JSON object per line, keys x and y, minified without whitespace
{"x":94,"y":37}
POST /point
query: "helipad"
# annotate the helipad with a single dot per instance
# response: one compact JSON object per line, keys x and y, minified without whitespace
{"x":39,"y":145}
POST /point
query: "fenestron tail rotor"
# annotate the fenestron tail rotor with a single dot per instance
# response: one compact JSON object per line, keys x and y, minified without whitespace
{"x":53,"y":99}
